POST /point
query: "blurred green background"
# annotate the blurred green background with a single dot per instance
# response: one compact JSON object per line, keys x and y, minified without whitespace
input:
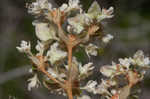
{"x":130,"y":27}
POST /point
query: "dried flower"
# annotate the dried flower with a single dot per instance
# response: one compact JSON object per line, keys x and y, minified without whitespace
{"x":140,"y":60}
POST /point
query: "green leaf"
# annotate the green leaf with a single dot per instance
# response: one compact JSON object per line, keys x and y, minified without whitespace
{"x":80,"y":55}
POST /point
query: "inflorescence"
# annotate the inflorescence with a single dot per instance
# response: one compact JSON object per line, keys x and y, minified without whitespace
{"x":60,"y":32}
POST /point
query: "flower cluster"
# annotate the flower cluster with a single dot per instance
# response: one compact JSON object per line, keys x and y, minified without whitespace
{"x":129,"y":70}
{"x":63,"y":30}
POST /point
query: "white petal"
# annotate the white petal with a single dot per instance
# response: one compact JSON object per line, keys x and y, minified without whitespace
{"x":108,"y":70}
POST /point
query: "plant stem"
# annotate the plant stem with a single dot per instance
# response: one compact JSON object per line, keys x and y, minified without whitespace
{"x":69,"y":90}
{"x":49,"y":76}
{"x":42,"y":69}
{"x":69,"y":82}
{"x":69,"y":57}
{"x":68,"y":40}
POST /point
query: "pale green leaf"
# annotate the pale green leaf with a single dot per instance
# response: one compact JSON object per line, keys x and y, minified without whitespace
{"x":95,"y":9}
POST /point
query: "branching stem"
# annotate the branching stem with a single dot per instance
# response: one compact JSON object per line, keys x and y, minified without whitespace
{"x":69,"y":82}
{"x":42,"y":69}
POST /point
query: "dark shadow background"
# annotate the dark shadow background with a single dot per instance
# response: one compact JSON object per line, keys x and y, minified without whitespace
{"x":130,"y":26}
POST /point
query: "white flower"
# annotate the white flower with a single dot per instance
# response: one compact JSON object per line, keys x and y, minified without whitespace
{"x":36,"y":7}
{"x":139,"y":59}
{"x":84,"y":97}
{"x":103,"y":88}
{"x":139,"y":54}
{"x":91,"y":86}
{"x":55,"y":54}
{"x":125,"y":62}
{"x":95,"y":12}
{"x":107,"y":38}
{"x":44,"y":4}
{"x":74,"y":4}
{"x":77,"y":23}
{"x":63,"y":7}
{"x":91,"y":49}
{"x":108,"y":71}
{"x":25,"y":47}
{"x":105,"y":14}
{"x":85,"y":69}
{"x":33,"y":82}
{"x":44,"y":32}
{"x":146,"y":61}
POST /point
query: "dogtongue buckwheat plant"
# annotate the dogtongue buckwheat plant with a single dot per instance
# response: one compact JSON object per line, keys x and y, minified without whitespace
{"x":66,"y":29}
